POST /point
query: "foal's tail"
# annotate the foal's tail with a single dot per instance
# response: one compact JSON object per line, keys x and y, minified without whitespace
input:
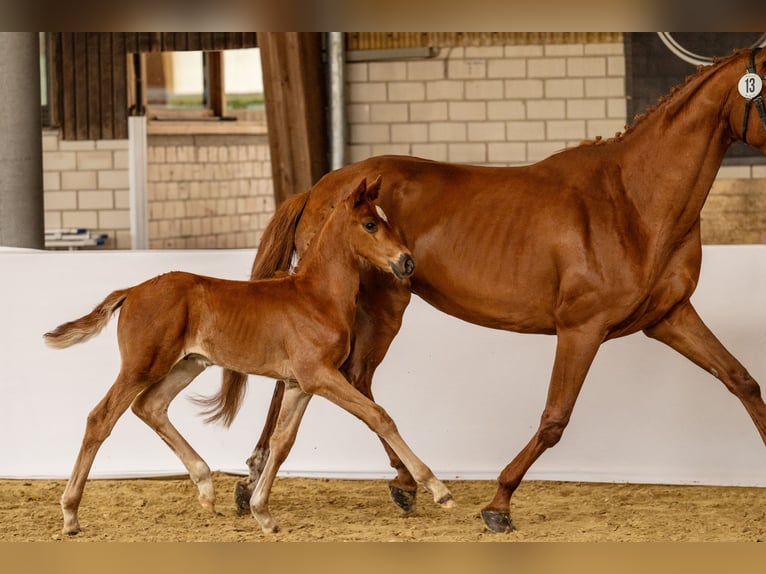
{"x":88,"y":326}
{"x":274,"y":254}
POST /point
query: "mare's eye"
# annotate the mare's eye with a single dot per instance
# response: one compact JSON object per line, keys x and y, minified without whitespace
{"x":371,"y":227}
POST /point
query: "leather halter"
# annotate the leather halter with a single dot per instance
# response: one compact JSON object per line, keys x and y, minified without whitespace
{"x":758,"y":99}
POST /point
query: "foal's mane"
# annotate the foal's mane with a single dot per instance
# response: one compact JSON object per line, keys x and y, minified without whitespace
{"x":665,"y":100}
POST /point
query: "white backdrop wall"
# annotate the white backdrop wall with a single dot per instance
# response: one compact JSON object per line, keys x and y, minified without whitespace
{"x":466,"y":398}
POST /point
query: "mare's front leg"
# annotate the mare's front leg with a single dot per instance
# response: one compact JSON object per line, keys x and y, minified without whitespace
{"x":575,"y":350}
{"x":684,"y":331}
{"x":330,"y":384}
{"x":293,"y":402}
{"x":152,"y":407}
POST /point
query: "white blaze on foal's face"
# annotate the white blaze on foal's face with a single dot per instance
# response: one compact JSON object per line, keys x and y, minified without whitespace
{"x":381,"y":213}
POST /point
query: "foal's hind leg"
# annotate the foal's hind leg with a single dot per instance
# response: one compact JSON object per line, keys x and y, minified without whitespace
{"x":100,"y":423}
{"x":152,"y":407}
{"x":575,"y":351}
{"x":684,"y":331}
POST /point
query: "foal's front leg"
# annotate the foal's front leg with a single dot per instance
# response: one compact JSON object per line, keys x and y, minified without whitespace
{"x":293,"y":402}
{"x":330,"y":384}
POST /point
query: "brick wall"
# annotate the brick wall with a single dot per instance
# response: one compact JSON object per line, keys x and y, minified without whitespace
{"x":86,"y":185}
{"x":499,"y":105}
{"x":208,"y":191}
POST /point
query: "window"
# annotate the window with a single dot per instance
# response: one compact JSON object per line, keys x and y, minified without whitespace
{"x":197,"y":85}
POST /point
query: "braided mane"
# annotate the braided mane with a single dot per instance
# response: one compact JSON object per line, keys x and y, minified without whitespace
{"x":663,"y":100}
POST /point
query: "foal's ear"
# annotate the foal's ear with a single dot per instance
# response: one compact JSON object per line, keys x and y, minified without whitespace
{"x":364,"y":193}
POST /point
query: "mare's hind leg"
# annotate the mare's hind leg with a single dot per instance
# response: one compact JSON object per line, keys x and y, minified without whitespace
{"x":293,"y":402}
{"x":381,"y":305}
{"x":152,"y":407}
{"x":575,"y":351}
{"x":684,"y":331}
{"x":101,"y":421}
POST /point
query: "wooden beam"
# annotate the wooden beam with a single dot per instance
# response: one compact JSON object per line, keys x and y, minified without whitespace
{"x":294,"y":92}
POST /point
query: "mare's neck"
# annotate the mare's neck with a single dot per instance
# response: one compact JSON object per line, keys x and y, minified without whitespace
{"x":670,"y":159}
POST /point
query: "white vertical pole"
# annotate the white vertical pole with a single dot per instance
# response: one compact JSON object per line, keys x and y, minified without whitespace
{"x":137,"y":158}
{"x":336,"y":59}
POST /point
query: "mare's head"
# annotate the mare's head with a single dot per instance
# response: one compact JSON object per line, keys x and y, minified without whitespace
{"x":747,"y":97}
{"x":371,"y":236}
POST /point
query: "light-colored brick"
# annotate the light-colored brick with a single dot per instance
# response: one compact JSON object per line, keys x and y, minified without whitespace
{"x":616,"y":49}
{"x":547,"y":68}
{"x":586,"y":67}
{"x":565,"y":130}
{"x":383,"y":113}
{"x":617,"y":108}
{"x":474,"y":153}
{"x":445,"y":90}
{"x":425,"y":70}
{"x":464,"y":111}
{"x":370,"y":133}
{"x":375,"y":92}
{"x":616,"y":66}
{"x":484,"y":52}
{"x":392,"y":148}
{"x":409,"y":133}
{"x":358,"y":152}
{"x":506,"y":153}
{"x":86,"y":219}
{"x":484,"y":90}
{"x":120,"y":159}
{"x":447,"y":132}
{"x":98,"y":159}
{"x":50,"y":140}
{"x":358,"y":113}
{"x":80,"y":145}
{"x":551,"y":50}
{"x":60,"y":200}
{"x":759,"y":171}
{"x":428,"y":112}
{"x":564,"y":88}
{"x":113,"y":144}
{"x":466,"y":69}
{"x":525,"y":130}
{"x":356,"y":72}
{"x":113,"y":179}
{"x":515,"y":68}
{"x":506,"y":110}
{"x":387,"y":71}
{"x":406,"y":91}
{"x":486,"y":131}
{"x":52,"y":220}
{"x":604,"y":87}
{"x":95,"y":200}
{"x":122,"y":199}
{"x":734,"y":172}
{"x":59,"y":161}
{"x":586,"y":109}
{"x":523,"y":51}
{"x":78,"y":180}
{"x":546,"y":109}
{"x":51,"y":180}
{"x":515,"y":89}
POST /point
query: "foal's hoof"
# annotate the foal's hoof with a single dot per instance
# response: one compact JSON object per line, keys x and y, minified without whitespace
{"x":242,"y":497}
{"x":404,"y":499}
{"x":497,"y":521}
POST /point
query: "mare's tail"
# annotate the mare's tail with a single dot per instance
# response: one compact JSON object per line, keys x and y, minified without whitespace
{"x":88,"y":326}
{"x":274,"y":254}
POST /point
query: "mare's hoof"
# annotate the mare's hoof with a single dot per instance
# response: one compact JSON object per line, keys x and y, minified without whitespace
{"x":404,"y":499}
{"x":497,"y":521}
{"x":242,"y":497}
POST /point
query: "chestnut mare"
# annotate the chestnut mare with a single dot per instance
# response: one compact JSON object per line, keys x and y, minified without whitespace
{"x":593,"y":243}
{"x":295,"y":327}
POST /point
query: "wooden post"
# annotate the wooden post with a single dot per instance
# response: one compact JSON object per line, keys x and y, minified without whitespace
{"x":294,"y":92}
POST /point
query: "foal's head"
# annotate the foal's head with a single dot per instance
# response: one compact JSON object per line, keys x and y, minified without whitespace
{"x":371,"y":236}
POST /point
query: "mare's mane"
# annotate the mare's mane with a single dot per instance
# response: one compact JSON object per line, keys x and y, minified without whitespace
{"x":665,"y":100}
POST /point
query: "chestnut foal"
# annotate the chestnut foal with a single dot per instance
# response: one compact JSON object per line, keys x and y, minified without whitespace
{"x":295,"y":328}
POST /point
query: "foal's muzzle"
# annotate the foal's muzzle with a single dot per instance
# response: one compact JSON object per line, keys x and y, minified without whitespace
{"x":404,"y":267}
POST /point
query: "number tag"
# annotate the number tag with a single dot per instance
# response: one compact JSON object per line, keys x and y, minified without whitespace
{"x":750,"y":85}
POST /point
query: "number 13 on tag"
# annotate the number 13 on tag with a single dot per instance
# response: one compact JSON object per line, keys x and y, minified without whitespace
{"x":750,"y":85}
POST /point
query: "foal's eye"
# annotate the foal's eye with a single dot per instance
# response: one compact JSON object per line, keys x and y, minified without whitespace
{"x":371,"y":227}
